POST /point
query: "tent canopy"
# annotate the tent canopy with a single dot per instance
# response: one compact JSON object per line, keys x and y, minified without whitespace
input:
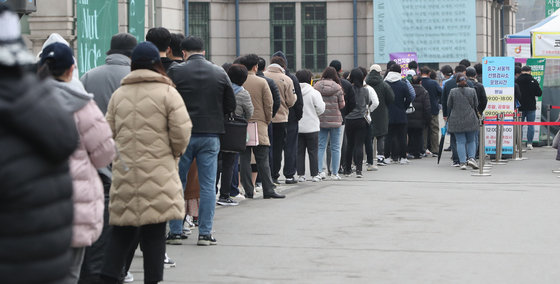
{"x":526,"y":33}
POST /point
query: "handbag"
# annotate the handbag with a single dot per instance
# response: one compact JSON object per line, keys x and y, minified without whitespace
{"x":234,"y":140}
{"x":252,"y":134}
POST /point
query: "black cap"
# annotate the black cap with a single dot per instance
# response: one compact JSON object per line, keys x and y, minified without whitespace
{"x":471,"y":72}
{"x":145,"y":52}
{"x":122,"y":43}
{"x":60,"y":53}
{"x":526,"y":68}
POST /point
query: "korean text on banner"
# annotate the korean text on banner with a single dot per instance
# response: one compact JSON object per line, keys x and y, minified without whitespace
{"x":546,"y":44}
{"x":402,"y":59}
{"x":551,"y":7}
{"x":499,"y":83}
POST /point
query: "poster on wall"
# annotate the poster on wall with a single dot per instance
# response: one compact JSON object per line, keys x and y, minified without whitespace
{"x":402,"y":59}
{"x":519,"y":48}
{"x":546,"y":44}
{"x":499,"y":83}
{"x":97,"y":23}
{"x":438,"y":31}
{"x":136,"y":18}
{"x":537,"y":71}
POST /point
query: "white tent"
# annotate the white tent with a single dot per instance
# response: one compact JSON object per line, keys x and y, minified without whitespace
{"x":546,"y":39}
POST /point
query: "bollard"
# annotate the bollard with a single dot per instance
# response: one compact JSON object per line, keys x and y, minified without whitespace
{"x":547,"y":127}
{"x":482,"y":170}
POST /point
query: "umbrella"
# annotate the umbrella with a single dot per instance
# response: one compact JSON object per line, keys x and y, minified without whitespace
{"x":441,"y":142}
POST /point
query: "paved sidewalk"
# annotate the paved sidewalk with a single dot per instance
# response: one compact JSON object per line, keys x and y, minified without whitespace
{"x":417,"y":223}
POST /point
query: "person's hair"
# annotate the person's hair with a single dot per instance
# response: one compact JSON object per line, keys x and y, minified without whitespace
{"x":47,"y":70}
{"x":395,"y":68}
{"x":304,"y":76}
{"x":346,"y":74}
{"x":155,"y":66}
{"x":433,"y":75}
{"x":160,"y":37}
{"x":446,"y":70}
{"x":278,"y":60}
{"x":525,"y":68}
{"x":237,"y":74}
{"x":465,"y":62}
{"x":518,"y":64}
{"x":226,"y":66}
{"x":416,"y":80}
{"x":517,"y":70}
{"x":413,"y":65}
{"x":336,"y":64}
{"x":364,"y":70}
{"x":330,"y":73}
{"x":262,"y":64}
{"x":357,"y":77}
{"x":425,"y":70}
{"x":192,"y":43}
{"x":249,"y":60}
{"x":390,"y":63}
{"x":461,"y":80}
{"x":460,"y":68}
{"x":175,"y":44}
{"x":478,"y":68}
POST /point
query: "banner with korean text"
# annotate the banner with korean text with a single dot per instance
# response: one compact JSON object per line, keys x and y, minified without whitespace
{"x":499,"y":82}
{"x":402,"y":59}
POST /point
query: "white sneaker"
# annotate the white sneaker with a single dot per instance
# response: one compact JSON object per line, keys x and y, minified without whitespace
{"x":371,"y":168}
{"x":335,"y":177}
{"x":404,"y":161}
{"x":323,"y":175}
{"x":388,"y":161}
{"x":188,"y":222}
{"x":463,"y":166}
{"x":238,"y":197}
{"x":317,"y":179}
{"x":529,"y":146}
{"x":168,"y":262}
{"x":301,"y":179}
{"x":128,"y":278}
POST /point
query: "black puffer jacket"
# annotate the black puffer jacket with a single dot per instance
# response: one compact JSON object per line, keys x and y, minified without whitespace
{"x":36,"y":139}
{"x":380,"y":116}
{"x":530,"y":89}
{"x":422,"y":115}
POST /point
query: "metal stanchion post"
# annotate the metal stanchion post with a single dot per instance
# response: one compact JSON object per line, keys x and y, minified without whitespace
{"x":499,"y":141}
{"x":482,"y":170}
{"x":547,"y":127}
{"x":514,"y":157}
{"x":519,"y":138}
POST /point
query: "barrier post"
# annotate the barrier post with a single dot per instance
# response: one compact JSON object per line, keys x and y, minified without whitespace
{"x":514,"y":157}
{"x":499,"y":140}
{"x":519,"y":138}
{"x":482,"y":170}
{"x":547,"y":127}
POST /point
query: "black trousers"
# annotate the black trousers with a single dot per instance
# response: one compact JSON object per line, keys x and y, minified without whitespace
{"x":152,"y":240}
{"x":291,"y":149}
{"x":356,"y":130}
{"x":309,"y":142}
{"x":415,"y":141}
{"x":261,"y":157}
{"x":381,"y":144}
{"x":228,"y":163}
{"x":368,"y":144}
{"x":278,"y":141}
{"x":395,"y":147}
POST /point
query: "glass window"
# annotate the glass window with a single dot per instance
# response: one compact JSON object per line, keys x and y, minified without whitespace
{"x":283,"y":25}
{"x":314,"y":35}
{"x":199,"y":23}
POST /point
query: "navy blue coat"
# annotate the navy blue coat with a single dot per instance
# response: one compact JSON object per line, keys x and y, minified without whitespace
{"x":397,"y":110}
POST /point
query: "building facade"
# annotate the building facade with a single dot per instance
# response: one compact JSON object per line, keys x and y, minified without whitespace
{"x":311,"y":33}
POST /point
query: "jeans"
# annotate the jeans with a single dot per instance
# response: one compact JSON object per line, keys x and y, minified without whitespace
{"x":334,"y":137}
{"x":466,"y":145}
{"x":529,"y":115}
{"x":205,"y":150}
{"x":291,"y":150}
{"x":278,"y":141}
{"x":356,"y":130}
{"x":453,"y":145}
{"x":309,"y":142}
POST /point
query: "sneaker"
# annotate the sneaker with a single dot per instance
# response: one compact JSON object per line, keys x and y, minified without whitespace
{"x":316,"y":179}
{"x":463,"y":166}
{"x":186,"y":231}
{"x":387,"y":161}
{"x":347,"y":174}
{"x":381,"y":162}
{"x":435,"y":155}
{"x":275,"y":181}
{"x":168,"y":262}
{"x":472,"y":163}
{"x":128,"y":278}
{"x":428,"y":152}
{"x":456,"y":164}
{"x":323,"y":175}
{"x":359,"y":174}
{"x":174,"y":239}
{"x":529,"y":146}
{"x":371,"y":168}
{"x":335,"y":177}
{"x":291,"y":180}
{"x":227,"y":202}
{"x":404,"y":161}
{"x":206,"y":240}
{"x":238,"y":197}
{"x":189,"y":222}
{"x":301,"y":179}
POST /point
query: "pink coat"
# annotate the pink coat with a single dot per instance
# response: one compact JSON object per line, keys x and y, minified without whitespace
{"x":96,"y":150}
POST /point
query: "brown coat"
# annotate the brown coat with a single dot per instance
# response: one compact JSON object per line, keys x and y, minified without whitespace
{"x":261,"y":97}
{"x":151,"y":128}
{"x":286,"y":89}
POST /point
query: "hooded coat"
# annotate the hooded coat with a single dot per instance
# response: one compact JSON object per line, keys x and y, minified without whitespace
{"x":152,"y":129}
{"x":287,"y":92}
{"x":380,"y":116}
{"x":334,"y":101}
{"x":422,"y":115}
{"x":296,"y":111}
{"x":37,"y":208}
{"x":397,"y":110}
{"x":530,"y":89}
{"x":95,"y":150}
{"x":313,"y":106}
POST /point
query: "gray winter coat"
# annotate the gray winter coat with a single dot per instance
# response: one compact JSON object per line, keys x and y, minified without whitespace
{"x":244,"y":105}
{"x":103,"y":80}
{"x":461,"y":105}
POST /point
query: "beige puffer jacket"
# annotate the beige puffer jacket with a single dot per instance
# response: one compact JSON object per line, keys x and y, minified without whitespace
{"x":152,"y":129}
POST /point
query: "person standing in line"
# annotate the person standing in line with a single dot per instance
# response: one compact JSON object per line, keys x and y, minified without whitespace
{"x":331,"y":119}
{"x":276,"y":71}
{"x":273,"y":89}
{"x":368,"y":141}
{"x":530,"y":90}
{"x":102,"y":81}
{"x":261,"y":98}
{"x":244,"y":108}
{"x":395,"y":148}
{"x":95,"y":150}
{"x":309,"y":126}
{"x":161,"y":38}
{"x":174,"y":52}
{"x":356,"y":123}
{"x":379,"y":116}
{"x":37,"y":138}
{"x":146,"y":190}
{"x":208,"y":95}
{"x":431,"y":132}
{"x":418,"y":120}
{"x":463,"y":121}
{"x":479,"y":88}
